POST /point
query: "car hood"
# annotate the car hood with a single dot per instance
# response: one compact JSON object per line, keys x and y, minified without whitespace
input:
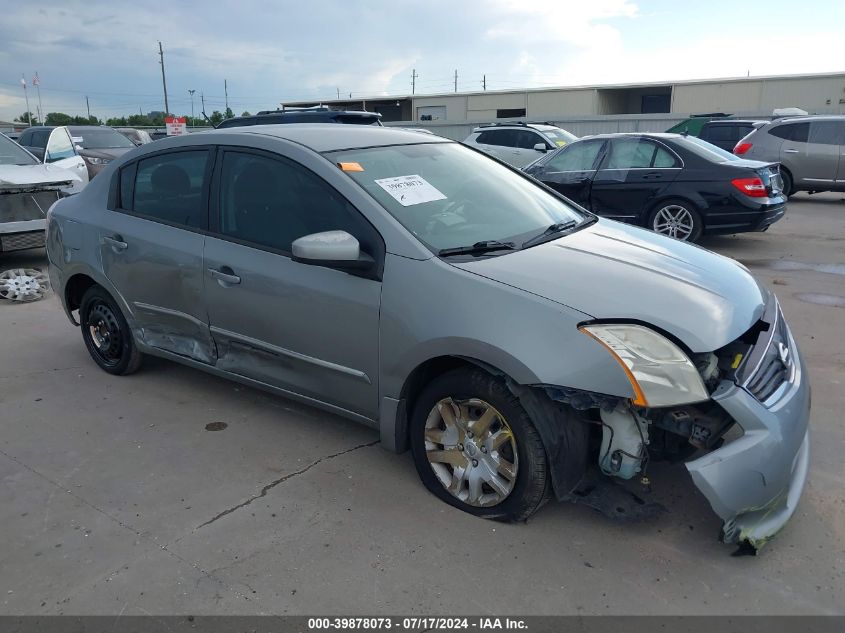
{"x":111,"y":152}
{"x":29,"y":177}
{"x":615,"y":271}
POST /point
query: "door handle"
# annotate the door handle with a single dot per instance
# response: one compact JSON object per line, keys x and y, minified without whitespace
{"x":653,"y":175}
{"x":790,"y":151}
{"x":225,"y":276}
{"x":116,"y":242}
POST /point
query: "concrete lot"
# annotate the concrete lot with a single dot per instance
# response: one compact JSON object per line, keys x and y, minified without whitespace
{"x":115,"y":499}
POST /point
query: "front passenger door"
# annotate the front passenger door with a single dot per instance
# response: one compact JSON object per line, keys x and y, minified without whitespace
{"x":308,"y":330}
{"x":61,"y":153}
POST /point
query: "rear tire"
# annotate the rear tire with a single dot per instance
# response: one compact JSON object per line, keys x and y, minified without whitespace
{"x":476,"y":448}
{"x":677,"y":219}
{"x":788,"y":185}
{"x":106,"y":333}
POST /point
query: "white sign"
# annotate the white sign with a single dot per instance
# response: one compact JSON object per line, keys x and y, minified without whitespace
{"x":176,"y":126}
{"x":410,"y":190}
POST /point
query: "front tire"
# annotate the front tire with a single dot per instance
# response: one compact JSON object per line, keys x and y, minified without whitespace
{"x":476,"y":448}
{"x":677,"y":219}
{"x":106,"y":333}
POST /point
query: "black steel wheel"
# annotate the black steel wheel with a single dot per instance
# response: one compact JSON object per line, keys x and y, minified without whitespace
{"x":106,"y":333}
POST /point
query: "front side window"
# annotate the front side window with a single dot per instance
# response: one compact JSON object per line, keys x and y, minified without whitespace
{"x":448,"y":195}
{"x":527,"y":140}
{"x":581,"y":156}
{"x":827,"y":132}
{"x":171,"y":188}
{"x":271,"y":202}
{"x":59,"y":146}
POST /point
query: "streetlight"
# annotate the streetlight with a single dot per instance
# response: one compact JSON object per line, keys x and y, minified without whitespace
{"x":191,"y":92}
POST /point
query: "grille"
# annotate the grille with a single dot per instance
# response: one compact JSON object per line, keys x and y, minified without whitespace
{"x":776,"y":364}
{"x":20,"y":241}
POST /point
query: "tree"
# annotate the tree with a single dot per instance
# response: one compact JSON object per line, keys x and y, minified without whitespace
{"x":58,"y":118}
{"x":216,"y":117}
{"x":228,"y":114}
{"x":245,"y":113}
{"x":25,"y":118}
{"x":117,"y":121}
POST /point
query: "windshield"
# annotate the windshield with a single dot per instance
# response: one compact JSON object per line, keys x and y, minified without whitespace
{"x":559,"y":136}
{"x":13,"y":154}
{"x":708,"y":150}
{"x":448,"y":195}
{"x":99,"y":138}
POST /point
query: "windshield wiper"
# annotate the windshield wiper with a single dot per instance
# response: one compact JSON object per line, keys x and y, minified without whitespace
{"x":554,"y":229}
{"x":486,"y":246}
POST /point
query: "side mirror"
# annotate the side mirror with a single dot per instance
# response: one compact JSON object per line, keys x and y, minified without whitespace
{"x":541,"y":147}
{"x":332,"y":249}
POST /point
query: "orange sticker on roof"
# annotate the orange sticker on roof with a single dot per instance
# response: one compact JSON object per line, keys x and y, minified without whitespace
{"x":350,"y":166}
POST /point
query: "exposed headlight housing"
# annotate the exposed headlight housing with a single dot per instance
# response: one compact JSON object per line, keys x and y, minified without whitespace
{"x":94,"y":160}
{"x":661,"y":374}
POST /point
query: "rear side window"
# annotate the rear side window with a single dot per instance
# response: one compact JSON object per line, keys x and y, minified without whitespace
{"x":502,"y":138}
{"x":718,"y":133}
{"x":638,"y":153}
{"x":580,"y":156}
{"x":170,"y":188}
{"x":798,"y":132}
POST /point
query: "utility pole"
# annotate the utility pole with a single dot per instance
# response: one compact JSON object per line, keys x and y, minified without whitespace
{"x":36,"y":81}
{"x":191,"y":92}
{"x":456,"y":80}
{"x":414,"y":76}
{"x":226,"y":93}
{"x":338,"y":94}
{"x":484,"y":82}
{"x":26,"y":95}
{"x":88,"y":107}
{"x":202,"y":99}
{"x":163,"y":80}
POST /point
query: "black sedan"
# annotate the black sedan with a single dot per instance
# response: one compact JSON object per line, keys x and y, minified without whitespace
{"x":673,"y":184}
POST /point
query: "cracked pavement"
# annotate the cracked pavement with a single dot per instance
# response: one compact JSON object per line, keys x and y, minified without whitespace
{"x":115,"y":499}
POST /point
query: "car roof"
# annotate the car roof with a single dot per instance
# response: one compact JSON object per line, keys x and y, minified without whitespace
{"x":811,"y":117}
{"x":658,"y":135}
{"x":730,"y":121}
{"x":328,"y":137}
{"x":538,"y":127}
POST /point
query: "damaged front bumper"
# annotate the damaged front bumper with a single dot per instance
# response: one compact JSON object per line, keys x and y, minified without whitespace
{"x":754,"y":482}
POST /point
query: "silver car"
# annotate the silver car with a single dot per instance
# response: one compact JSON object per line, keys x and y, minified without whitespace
{"x":810,"y":149}
{"x":518,"y":144}
{"x":521,"y":347}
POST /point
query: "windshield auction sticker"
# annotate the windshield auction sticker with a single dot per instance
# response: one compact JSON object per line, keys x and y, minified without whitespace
{"x":410,"y":190}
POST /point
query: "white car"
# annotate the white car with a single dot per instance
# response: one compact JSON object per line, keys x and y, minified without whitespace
{"x":27,"y":190}
{"x":518,"y":144}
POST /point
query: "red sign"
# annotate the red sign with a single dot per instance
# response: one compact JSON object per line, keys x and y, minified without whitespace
{"x":176,"y":125}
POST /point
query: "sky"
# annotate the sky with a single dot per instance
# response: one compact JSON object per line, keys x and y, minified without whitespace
{"x":270,"y":52}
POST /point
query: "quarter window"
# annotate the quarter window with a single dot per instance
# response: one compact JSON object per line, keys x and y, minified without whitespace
{"x":170,"y":188}
{"x":827,"y":132}
{"x":271,"y":203}
{"x":581,"y":156}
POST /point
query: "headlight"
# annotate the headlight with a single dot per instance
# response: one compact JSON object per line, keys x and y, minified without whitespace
{"x":660,"y":373}
{"x":97,"y":161}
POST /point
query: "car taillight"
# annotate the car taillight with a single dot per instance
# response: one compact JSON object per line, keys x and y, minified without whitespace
{"x":742,"y":148}
{"x":753,"y":187}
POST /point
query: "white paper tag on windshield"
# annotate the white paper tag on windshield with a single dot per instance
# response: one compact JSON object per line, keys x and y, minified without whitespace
{"x":410,"y":190}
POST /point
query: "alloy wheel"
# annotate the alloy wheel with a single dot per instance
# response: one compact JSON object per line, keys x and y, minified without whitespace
{"x":674,"y":221}
{"x":472,"y":451}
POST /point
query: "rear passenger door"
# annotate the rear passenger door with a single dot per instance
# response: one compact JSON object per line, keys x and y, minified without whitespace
{"x":631,"y":176}
{"x":822,"y":161}
{"x":151,"y":244}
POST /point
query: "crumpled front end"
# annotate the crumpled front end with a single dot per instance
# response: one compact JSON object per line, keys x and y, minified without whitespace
{"x":754,"y":482}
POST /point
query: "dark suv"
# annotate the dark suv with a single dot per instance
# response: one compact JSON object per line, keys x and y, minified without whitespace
{"x":314,"y":115}
{"x":726,"y":133}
